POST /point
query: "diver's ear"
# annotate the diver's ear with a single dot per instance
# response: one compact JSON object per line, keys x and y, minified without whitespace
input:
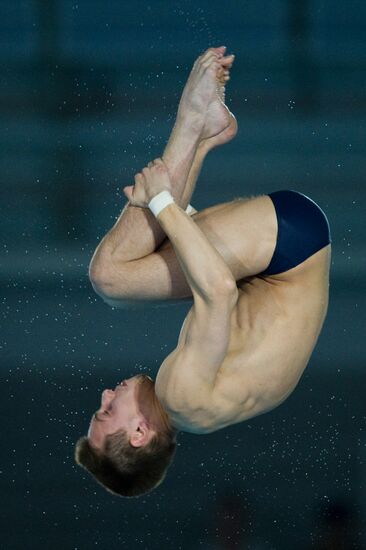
{"x":141,"y":436}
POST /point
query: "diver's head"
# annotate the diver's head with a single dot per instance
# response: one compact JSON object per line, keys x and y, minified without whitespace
{"x":130,"y":407}
{"x":130,"y":442}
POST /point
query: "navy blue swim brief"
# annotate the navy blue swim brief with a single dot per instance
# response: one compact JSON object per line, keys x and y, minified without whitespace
{"x":303,"y":229}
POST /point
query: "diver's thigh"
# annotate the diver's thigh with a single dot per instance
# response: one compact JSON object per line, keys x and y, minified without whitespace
{"x":243,"y":231}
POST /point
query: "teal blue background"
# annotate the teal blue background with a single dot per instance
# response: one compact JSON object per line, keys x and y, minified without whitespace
{"x":88,"y":95}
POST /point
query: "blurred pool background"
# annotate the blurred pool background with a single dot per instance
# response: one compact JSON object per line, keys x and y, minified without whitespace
{"x":88,"y":96}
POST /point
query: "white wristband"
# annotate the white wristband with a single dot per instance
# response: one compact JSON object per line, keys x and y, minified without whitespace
{"x":160,"y":201}
{"x":189,"y":209}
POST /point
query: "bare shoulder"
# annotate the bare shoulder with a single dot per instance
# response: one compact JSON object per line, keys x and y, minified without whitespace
{"x":186,"y":379}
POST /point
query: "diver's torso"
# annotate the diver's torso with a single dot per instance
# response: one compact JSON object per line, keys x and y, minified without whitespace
{"x":274,"y":328}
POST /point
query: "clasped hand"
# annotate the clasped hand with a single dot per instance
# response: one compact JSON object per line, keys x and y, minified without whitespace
{"x":152,"y":180}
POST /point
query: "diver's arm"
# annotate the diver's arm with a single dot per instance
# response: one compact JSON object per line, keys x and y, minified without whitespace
{"x":205,"y":339}
{"x":187,"y":379}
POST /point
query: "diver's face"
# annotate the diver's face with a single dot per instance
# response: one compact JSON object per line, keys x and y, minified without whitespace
{"x":120,"y":408}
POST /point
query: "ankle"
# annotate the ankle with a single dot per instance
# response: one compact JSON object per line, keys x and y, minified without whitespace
{"x":183,"y":144}
{"x":190,"y":124}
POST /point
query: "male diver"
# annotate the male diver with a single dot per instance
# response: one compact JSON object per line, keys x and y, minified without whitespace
{"x":257,"y":269}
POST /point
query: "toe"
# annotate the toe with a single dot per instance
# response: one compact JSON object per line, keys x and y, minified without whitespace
{"x":227,"y":61}
{"x":219,"y":51}
{"x":210,"y":61}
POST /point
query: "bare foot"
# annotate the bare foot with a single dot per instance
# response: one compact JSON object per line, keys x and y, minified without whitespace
{"x":200,"y":91}
{"x":220,"y":124}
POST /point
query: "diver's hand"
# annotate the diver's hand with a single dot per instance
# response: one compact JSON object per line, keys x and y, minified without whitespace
{"x":152,"y":180}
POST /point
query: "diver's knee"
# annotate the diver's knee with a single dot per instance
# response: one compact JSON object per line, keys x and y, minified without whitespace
{"x":109,"y":287}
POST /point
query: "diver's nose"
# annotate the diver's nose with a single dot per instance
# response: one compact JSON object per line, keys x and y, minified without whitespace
{"x":107,"y":393}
